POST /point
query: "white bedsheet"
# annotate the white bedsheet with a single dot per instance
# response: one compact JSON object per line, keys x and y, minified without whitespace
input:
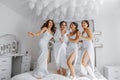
{"x":54,"y":76}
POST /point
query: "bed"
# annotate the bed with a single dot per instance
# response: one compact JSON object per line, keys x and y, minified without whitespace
{"x":54,"y":76}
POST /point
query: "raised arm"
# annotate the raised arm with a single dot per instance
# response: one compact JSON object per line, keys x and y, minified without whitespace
{"x":76,"y":39}
{"x":37,"y":33}
{"x":90,"y":35}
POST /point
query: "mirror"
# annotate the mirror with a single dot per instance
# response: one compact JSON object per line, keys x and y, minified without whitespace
{"x":8,"y":44}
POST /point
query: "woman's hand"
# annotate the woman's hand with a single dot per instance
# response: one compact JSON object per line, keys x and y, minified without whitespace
{"x":68,"y":35}
{"x":81,"y":37}
{"x":63,"y":32}
{"x":31,"y":34}
{"x":51,"y":39}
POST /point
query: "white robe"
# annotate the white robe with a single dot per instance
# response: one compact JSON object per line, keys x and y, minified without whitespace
{"x":60,"y":50}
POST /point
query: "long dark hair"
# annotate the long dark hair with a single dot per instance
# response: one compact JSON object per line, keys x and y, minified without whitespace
{"x":53,"y":29}
{"x":63,"y":22}
{"x":87,"y":22}
{"x":76,"y":24}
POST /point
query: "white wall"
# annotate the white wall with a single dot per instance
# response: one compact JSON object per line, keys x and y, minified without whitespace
{"x":108,"y":21}
{"x":13,"y":23}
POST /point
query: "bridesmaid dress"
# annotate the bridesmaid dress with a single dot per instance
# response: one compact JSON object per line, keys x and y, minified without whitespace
{"x":88,"y":46}
{"x":72,"y":47}
{"x":41,"y":68}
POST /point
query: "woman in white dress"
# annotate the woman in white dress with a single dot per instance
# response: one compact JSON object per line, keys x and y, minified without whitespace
{"x":72,"y":49}
{"x":60,"y":46}
{"x":46,"y":33}
{"x":88,"y":49}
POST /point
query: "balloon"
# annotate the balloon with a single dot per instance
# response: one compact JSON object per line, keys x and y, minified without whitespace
{"x":31,"y":5}
{"x":65,"y":9}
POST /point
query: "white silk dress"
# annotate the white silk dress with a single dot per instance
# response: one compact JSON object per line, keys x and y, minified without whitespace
{"x":41,"y":69}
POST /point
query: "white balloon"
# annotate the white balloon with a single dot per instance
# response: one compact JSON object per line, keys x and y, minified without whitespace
{"x":31,"y":5}
{"x":65,"y":9}
{"x":34,"y":1}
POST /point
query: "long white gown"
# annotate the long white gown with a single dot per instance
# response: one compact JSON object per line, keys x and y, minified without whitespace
{"x":60,"y":50}
{"x":41,"y":68}
{"x":88,"y":46}
{"x":72,"y":47}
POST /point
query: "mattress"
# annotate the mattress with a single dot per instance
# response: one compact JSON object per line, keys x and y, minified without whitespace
{"x":53,"y":76}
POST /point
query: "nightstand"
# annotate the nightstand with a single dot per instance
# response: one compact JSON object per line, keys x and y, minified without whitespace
{"x":112,"y":72}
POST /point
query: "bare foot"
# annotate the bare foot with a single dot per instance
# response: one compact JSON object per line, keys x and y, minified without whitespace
{"x":63,"y":72}
{"x":58,"y":71}
{"x":39,"y":79}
